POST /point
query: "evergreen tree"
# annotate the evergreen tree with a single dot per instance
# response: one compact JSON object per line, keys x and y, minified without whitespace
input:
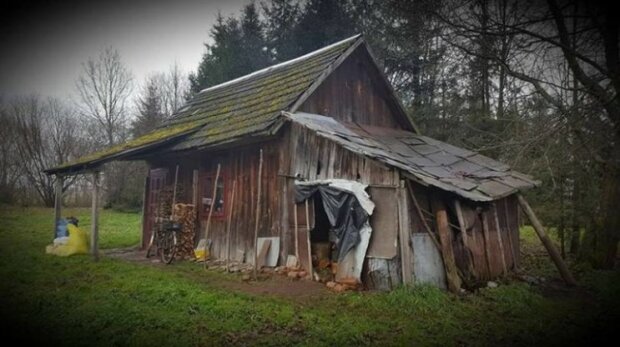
{"x":150,"y":114}
{"x":223,"y":60}
{"x":254,"y":43}
{"x":281,"y":18}
{"x":323,"y":22}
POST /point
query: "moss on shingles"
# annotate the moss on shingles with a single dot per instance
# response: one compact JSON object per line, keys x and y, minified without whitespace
{"x":150,"y":138}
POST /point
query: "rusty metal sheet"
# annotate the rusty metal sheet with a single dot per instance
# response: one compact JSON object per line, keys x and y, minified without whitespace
{"x":438,"y":171}
{"x":384,"y":223}
{"x":465,"y":167}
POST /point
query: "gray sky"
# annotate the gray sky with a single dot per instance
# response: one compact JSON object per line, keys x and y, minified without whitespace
{"x":44,"y":44}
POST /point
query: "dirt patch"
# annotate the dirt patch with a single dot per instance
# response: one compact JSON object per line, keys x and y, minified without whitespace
{"x":267,"y":284}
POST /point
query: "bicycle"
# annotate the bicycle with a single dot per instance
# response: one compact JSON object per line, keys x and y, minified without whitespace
{"x":165,"y":239}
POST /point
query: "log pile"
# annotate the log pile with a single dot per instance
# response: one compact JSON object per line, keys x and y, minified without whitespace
{"x":185,"y":214}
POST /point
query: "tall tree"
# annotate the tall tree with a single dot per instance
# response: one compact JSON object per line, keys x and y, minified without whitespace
{"x":281,"y":18}
{"x":321,"y":23}
{"x":253,"y":38}
{"x":104,"y":87}
{"x":222,"y":60}
{"x":46,"y":134}
{"x":149,"y":105}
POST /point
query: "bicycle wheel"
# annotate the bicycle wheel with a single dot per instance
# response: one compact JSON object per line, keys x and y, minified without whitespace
{"x":169,"y":247}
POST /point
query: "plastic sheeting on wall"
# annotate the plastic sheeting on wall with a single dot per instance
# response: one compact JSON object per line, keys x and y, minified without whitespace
{"x":347,"y":206}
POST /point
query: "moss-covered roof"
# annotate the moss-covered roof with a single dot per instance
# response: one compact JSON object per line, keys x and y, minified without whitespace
{"x":249,"y":105}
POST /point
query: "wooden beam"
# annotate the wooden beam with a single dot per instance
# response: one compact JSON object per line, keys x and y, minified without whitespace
{"x":174,"y":192}
{"x":94,"y":218}
{"x":296,"y":234}
{"x":310,"y":270}
{"x":145,"y":201}
{"x":57,"y":201}
{"x":551,"y":249}
{"x":213,"y":196}
{"x":258,"y":206}
{"x":229,"y":222}
{"x":499,"y":239}
{"x":404,"y":234}
{"x":465,"y":237}
{"x":486,"y":238}
{"x":443,"y":229}
{"x":195,"y":189}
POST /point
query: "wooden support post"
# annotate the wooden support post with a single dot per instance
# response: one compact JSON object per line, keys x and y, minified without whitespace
{"x":510,"y":243}
{"x":94,"y":219}
{"x":257,"y":221}
{"x":174,"y":192}
{"x":470,"y":259}
{"x":443,"y":229}
{"x":57,"y":201}
{"x":195,"y":189}
{"x":499,"y":239}
{"x":296,"y":234}
{"x":486,"y":239}
{"x":404,"y":234}
{"x":553,"y":252}
{"x":229,"y":222}
{"x":308,"y":239}
{"x":145,"y":201}
{"x":213,"y":196}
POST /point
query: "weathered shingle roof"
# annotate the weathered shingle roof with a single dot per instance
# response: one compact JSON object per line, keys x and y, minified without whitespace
{"x":246,"y":106}
{"x":252,"y":104}
{"x":426,"y":160}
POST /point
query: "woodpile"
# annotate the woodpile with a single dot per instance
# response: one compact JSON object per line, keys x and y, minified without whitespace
{"x":185,"y":214}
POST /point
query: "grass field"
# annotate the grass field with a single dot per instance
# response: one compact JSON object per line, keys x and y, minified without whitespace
{"x":50,"y":300}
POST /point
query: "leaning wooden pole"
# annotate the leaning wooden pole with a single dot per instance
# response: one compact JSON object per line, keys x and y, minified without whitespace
{"x":443,"y":229}
{"x":213,"y":196}
{"x":229,"y":222}
{"x":257,"y":221}
{"x":553,"y":252}
{"x":94,"y":219}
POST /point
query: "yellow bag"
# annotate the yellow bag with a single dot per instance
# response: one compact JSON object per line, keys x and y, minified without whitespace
{"x":77,"y":244}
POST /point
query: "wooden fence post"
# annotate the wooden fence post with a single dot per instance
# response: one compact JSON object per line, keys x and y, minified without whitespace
{"x":94,"y":219}
{"x":57,"y":201}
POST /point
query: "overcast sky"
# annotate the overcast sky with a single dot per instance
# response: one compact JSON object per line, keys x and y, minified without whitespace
{"x":44,"y":44}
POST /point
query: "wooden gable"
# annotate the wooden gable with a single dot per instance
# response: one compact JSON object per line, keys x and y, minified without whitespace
{"x":357,"y":91}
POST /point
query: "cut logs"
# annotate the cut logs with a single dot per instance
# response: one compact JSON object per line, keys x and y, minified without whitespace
{"x":185,"y":214}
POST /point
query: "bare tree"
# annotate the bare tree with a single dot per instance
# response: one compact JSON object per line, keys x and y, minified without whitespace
{"x":46,"y":134}
{"x":174,"y":88}
{"x":104,"y":87}
{"x":10,"y":169}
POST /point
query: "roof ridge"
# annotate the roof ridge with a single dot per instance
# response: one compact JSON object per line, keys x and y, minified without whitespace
{"x":278,"y":65}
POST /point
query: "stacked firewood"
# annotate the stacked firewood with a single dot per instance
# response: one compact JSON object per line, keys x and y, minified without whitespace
{"x":164,"y":202}
{"x":185,"y":214}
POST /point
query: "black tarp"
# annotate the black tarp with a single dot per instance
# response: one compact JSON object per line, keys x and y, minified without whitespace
{"x":343,"y":210}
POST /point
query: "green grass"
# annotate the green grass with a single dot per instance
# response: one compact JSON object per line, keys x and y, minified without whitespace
{"x":75,"y":301}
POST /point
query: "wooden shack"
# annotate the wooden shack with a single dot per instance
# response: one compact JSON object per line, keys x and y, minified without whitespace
{"x":443,"y":215}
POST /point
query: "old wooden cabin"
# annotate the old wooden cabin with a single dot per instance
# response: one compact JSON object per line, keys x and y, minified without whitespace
{"x":442,"y":214}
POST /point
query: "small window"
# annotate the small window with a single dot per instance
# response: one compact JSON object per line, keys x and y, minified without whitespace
{"x":206,"y":200}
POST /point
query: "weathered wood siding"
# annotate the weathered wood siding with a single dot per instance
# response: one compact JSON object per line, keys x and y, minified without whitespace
{"x":354,"y":92}
{"x":240,"y":164}
{"x":316,"y":158}
{"x":484,"y":249}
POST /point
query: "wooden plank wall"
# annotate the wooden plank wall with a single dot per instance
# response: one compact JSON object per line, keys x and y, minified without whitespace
{"x":316,"y":158}
{"x":353,"y":93}
{"x":484,"y":250}
{"x":239,"y":164}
